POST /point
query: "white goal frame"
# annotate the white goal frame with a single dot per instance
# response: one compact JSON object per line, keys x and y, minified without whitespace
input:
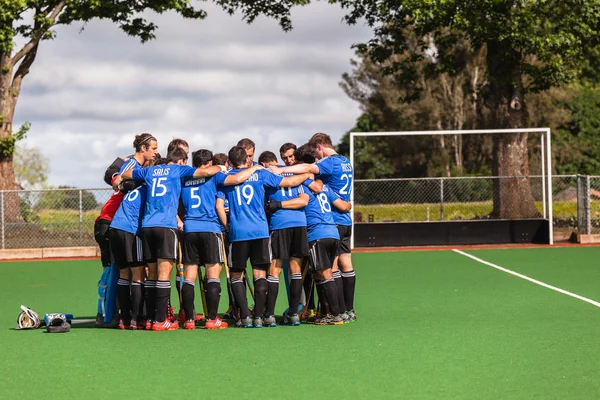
{"x":546,"y":150}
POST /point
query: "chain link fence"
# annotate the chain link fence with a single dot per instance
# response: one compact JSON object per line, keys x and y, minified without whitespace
{"x":49,"y":218}
{"x":457,"y":198}
{"x":65,"y":217}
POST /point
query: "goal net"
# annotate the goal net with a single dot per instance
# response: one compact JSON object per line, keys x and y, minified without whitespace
{"x":445,"y":176}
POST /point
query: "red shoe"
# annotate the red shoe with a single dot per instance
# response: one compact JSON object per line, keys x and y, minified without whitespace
{"x":165,"y":326}
{"x":182,"y":318}
{"x":123,"y":325}
{"x":149,"y":325}
{"x":137,"y":326}
{"x":171,"y":315}
{"x":189,"y":325}
{"x":216,"y":323}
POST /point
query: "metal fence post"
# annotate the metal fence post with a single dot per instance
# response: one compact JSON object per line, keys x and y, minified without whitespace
{"x":2,"y":216}
{"x":588,"y":206}
{"x":80,"y":217}
{"x":441,"y":199}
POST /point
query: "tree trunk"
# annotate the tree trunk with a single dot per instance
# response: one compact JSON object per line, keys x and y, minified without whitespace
{"x":8,"y":101}
{"x":513,"y":198}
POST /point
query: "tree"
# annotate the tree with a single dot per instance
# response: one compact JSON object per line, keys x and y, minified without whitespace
{"x":531,"y":46}
{"x":64,"y":199}
{"x":31,"y":167}
{"x":34,"y":20}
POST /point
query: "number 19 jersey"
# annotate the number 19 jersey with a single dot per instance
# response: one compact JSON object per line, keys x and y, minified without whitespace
{"x":247,"y":219}
{"x":336,"y":172}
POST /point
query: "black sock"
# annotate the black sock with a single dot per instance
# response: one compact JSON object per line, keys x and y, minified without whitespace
{"x":349,"y":279}
{"x":330,"y":289}
{"x":295,"y":292}
{"x":151,"y":300}
{"x":239,"y":292}
{"x":309,"y":291}
{"x":323,"y":304}
{"x":177,"y":280}
{"x":187,"y":299}
{"x":272,"y":292}
{"x":260,"y":296}
{"x":163,"y":290}
{"x":142,"y":313}
{"x":136,"y":301}
{"x":124,"y":296}
{"x":212,"y":289}
{"x":337,"y":277}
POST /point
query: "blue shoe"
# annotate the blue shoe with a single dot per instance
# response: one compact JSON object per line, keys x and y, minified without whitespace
{"x":244,"y":322}
{"x":257,"y":322}
{"x":292,"y":320}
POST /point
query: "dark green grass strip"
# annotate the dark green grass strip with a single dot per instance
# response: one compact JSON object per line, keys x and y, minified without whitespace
{"x":431,"y":325}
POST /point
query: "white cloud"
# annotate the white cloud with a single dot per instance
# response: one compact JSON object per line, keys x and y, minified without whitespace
{"x":210,"y":82}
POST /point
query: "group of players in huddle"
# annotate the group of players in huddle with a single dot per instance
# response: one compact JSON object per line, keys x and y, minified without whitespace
{"x":231,"y":210}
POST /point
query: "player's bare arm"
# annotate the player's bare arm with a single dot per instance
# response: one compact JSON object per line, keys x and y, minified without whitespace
{"x":342,"y":205}
{"x":296,"y":169}
{"x":241,"y":176}
{"x":221,"y":212}
{"x":207,"y":172}
{"x":291,"y":181}
{"x":316,"y":186}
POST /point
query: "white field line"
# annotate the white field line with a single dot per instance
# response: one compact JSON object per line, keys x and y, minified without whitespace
{"x":508,"y":271}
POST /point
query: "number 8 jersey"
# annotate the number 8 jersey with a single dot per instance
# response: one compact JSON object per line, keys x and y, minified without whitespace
{"x":247,"y":217}
{"x":336,"y":172}
{"x":319,"y":216}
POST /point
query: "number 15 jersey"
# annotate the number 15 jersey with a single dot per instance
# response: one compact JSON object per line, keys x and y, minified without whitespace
{"x":247,"y":219}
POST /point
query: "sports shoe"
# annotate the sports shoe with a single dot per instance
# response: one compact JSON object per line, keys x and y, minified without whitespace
{"x":345,"y":317}
{"x":311,"y":313}
{"x":165,"y":326}
{"x":149,"y":324}
{"x":171,"y":315}
{"x":352,"y":315}
{"x":270,"y":321}
{"x":137,"y":326}
{"x":124,"y":325}
{"x":292,"y":320}
{"x":181,"y":317}
{"x":244,"y":322}
{"x":190,"y":325}
{"x":257,"y":322}
{"x":335,"y":320}
{"x":315,"y":320}
{"x":216,"y":323}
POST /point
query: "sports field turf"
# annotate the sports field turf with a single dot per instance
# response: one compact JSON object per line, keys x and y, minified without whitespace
{"x":431,"y":325}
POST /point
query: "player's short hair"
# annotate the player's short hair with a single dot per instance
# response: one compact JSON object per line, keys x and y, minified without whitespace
{"x":201,"y":157}
{"x":142,"y":140}
{"x":176,"y":155}
{"x":246,"y":143}
{"x":267,"y":157}
{"x":220,"y":159}
{"x":286,"y":146}
{"x":175,"y":143}
{"x":237,"y":157}
{"x":320,"y":138}
{"x":305,"y":154}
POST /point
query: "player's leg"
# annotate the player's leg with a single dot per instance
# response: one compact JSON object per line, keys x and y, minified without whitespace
{"x":191,"y":259}
{"x":347,"y":270}
{"x":137,"y":277}
{"x":123,"y":244}
{"x":166,"y":256}
{"x":240,"y":251}
{"x":150,"y":243}
{"x":298,"y":249}
{"x":260,"y":258}
{"x":273,"y":288}
{"x":213,"y":257}
{"x":322,"y":253}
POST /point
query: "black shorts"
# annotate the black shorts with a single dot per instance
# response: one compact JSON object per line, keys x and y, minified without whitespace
{"x":160,"y":243}
{"x":321,"y":253}
{"x":257,"y":250}
{"x":227,"y":245}
{"x":126,"y":248}
{"x":101,"y":235}
{"x":345,"y":235}
{"x":202,"y":248}
{"x":289,"y":242}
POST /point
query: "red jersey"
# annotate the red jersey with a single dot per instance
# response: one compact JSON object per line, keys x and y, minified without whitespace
{"x":111,"y":206}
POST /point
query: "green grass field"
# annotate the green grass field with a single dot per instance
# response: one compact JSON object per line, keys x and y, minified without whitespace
{"x":431,"y":325}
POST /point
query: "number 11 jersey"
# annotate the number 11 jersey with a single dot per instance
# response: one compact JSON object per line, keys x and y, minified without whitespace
{"x":247,"y":219}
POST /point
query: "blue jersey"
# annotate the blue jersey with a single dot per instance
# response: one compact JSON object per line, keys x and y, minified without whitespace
{"x":164,"y":188}
{"x":129,"y":216}
{"x":319,"y":218}
{"x":286,"y":218}
{"x":132,"y":163}
{"x":199,"y":196}
{"x":336,"y":172}
{"x":247,"y":206}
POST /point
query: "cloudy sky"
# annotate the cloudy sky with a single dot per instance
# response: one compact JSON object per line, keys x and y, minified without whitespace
{"x":210,"y":82}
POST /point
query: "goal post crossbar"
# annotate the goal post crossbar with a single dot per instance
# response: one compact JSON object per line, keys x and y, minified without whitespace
{"x":546,"y":150}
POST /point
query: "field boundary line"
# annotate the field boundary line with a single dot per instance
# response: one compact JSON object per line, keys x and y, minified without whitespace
{"x":518,"y":275}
